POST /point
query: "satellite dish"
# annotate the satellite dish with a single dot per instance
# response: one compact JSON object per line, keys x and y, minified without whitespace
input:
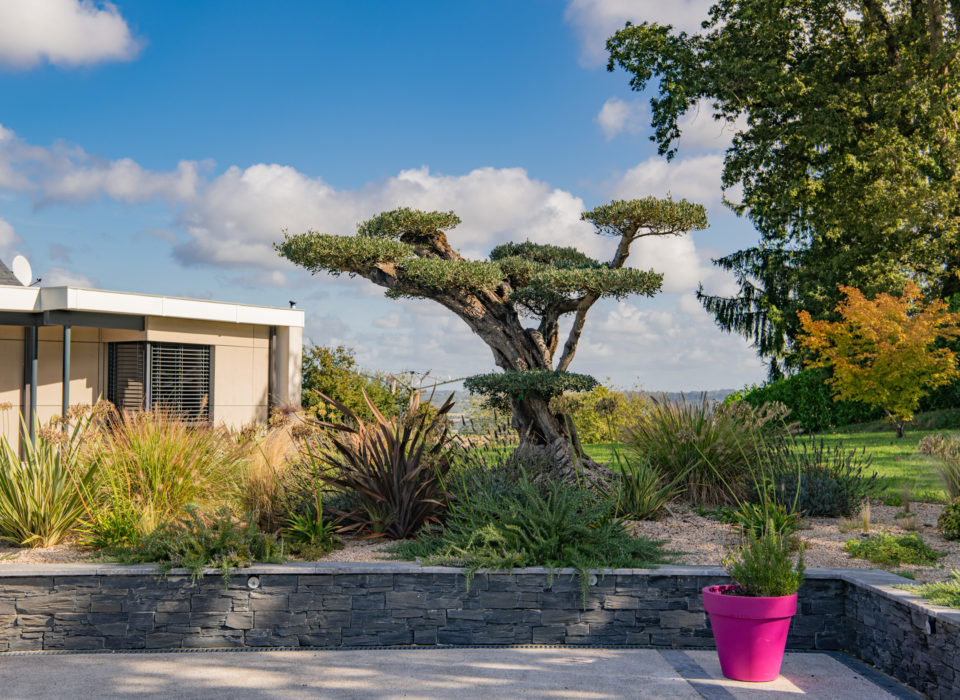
{"x":22,"y":271}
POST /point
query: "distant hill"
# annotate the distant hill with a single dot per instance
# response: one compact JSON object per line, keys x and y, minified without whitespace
{"x":713,"y":395}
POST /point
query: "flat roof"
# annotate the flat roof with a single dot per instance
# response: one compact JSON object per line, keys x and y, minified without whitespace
{"x":40,"y":299}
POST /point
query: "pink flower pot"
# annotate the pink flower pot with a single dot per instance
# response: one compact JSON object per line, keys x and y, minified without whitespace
{"x":751,"y":633}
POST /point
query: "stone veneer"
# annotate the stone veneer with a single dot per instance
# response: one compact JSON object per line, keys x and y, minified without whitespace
{"x":390,"y":603}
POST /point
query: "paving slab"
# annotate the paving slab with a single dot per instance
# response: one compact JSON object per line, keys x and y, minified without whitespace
{"x":428,"y":674}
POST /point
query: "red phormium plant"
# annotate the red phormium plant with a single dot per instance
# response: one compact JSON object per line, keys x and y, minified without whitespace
{"x":395,"y":467}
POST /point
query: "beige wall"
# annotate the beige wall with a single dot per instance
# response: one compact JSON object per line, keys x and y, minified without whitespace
{"x":241,"y":366}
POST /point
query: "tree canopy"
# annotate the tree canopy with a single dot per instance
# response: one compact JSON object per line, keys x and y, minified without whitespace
{"x":882,"y":351}
{"x":848,"y":162}
{"x":407,"y":252}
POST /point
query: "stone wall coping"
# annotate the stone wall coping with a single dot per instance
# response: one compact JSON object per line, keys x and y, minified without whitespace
{"x":882,"y":583}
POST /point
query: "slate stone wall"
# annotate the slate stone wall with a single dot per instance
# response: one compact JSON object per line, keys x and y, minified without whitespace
{"x":396,"y":604}
{"x":110,"y":607}
{"x":917,"y":643}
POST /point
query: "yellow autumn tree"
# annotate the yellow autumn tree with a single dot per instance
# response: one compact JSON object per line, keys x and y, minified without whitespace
{"x":884,"y":351}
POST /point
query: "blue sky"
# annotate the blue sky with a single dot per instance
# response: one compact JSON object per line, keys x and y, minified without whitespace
{"x":161,"y":148}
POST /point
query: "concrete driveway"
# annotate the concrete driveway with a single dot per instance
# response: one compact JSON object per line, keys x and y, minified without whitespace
{"x":441,"y":673}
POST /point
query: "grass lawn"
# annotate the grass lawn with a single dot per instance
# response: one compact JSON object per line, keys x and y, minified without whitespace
{"x":896,"y":461}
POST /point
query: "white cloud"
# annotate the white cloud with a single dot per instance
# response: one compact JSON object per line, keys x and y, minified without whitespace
{"x":83,"y":178}
{"x":66,"y":173}
{"x":8,"y":239}
{"x":234,"y":220}
{"x":596,"y":20}
{"x":63,"y":32}
{"x":60,"y":277}
{"x":696,"y":178}
{"x":617,"y":116}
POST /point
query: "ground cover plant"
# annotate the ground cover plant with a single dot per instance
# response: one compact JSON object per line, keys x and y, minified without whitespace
{"x":940,"y":592}
{"x":198,"y":540}
{"x":499,"y":523}
{"x":948,"y":524}
{"x":893,"y":550}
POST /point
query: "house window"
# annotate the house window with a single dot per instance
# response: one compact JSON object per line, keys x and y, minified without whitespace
{"x":168,"y":377}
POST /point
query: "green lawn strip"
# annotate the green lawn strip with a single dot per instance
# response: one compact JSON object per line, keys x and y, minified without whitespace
{"x":898,"y":462}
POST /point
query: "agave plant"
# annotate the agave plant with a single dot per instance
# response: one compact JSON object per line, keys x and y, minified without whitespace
{"x":394,"y":469}
{"x":41,"y":497}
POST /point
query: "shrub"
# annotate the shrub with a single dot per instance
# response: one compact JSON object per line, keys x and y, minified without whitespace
{"x":602,"y":414}
{"x":832,"y":482}
{"x":500,"y":524}
{"x":810,"y":401}
{"x":714,"y":446}
{"x":939,"y":592}
{"x":268,"y":483}
{"x":756,"y":518}
{"x":893,"y":550}
{"x":41,"y":498}
{"x":393,"y":468}
{"x":151,"y":466}
{"x":198,"y":541}
{"x":948,"y":524}
{"x":333,"y":371}
{"x":763,"y":566}
{"x":640,"y":490}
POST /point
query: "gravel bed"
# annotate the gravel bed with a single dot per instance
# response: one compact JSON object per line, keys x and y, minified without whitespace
{"x":700,"y":540}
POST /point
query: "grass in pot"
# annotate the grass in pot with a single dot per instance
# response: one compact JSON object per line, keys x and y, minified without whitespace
{"x":751,"y":618}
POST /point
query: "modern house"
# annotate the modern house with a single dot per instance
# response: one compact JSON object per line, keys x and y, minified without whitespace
{"x":204,"y":361}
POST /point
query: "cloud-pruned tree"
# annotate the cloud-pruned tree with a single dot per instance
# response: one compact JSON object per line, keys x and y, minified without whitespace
{"x":513,"y":301}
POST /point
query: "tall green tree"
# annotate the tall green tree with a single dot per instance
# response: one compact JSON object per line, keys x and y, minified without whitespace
{"x":849,"y":160}
{"x":513,"y":301}
{"x":333,"y":372}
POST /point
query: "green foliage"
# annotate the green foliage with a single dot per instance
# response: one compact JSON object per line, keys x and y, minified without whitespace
{"x":321,"y":252}
{"x":763,"y":566}
{"x":333,"y":371}
{"x":602,"y":414}
{"x":846,"y":148}
{"x":501,"y":387}
{"x":940,"y":592}
{"x":664,"y":216}
{"x":496,"y":523}
{"x":832,"y":482}
{"x":198,"y":541}
{"x":309,"y":535}
{"x":394,"y":469}
{"x":151,"y":467}
{"x":893,"y":550}
{"x":640,"y":490}
{"x":714,"y":445}
{"x":41,"y":498}
{"x":810,"y":400}
{"x":545,"y":254}
{"x":756,"y":518}
{"x":471,"y":275}
{"x":406,"y":222}
{"x":948,"y":524}
{"x":946,"y":449}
